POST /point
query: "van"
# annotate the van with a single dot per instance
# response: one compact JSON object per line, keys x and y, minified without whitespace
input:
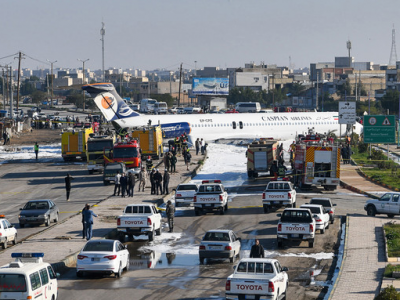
{"x":247,"y":107}
{"x":147,"y":105}
{"x":191,"y":110}
{"x":28,"y":277}
{"x":160,"y":108}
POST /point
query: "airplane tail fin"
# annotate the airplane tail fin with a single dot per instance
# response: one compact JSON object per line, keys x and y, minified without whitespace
{"x":109,"y":102}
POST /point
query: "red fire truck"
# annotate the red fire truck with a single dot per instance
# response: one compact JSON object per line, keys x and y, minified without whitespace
{"x":126,"y":152}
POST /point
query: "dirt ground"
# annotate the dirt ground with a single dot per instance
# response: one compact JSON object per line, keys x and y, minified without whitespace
{"x":41,"y":136}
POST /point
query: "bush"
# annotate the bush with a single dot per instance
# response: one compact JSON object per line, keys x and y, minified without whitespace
{"x":362,"y":147}
{"x":388,"y":293}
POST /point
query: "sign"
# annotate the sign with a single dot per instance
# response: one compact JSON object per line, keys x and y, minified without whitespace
{"x":210,"y":86}
{"x":347,"y":112}
{"x":379,"y":129}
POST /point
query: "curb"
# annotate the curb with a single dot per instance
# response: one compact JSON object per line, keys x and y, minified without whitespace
{"x":361,"y":173}
{"x":356,"y":190}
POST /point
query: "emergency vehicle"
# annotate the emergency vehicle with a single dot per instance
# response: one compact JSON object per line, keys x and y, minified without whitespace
{"x":150,"y":141}
{"x":317,"y":163}
{"x":95,"y":150}
{"x":127,"y":152}
{"x":28,"y":277}
{"x":260,"y":156}
{"x":73,"y":143}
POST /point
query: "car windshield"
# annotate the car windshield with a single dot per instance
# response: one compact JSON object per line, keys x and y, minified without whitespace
{"x":99,"y":145}
{"x":216,"y":236}
{"x":314,"y":210}
{"x":37,"y":205}
{"x":12,"y":283}
{"x":99,"y":246}
{"x":325,"y":203}
{"x":128,"y":152}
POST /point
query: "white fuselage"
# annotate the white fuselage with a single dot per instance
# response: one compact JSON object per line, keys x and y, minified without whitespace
{"x":243,"y":125}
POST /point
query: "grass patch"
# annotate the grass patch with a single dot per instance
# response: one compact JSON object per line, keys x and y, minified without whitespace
{"x":384,"y":176}
{"x":389,"y":269}
{"x":392,"y":232}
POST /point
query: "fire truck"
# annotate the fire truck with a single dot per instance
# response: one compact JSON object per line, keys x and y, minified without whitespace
{"x":95,"y":149}
{"x":127,"y":152}
{"x":317,"y":163}
{"x":260,"y":156}
{"x":73,"y":143}
{"x":150,"y":141}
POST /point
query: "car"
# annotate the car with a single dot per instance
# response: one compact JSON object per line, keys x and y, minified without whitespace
{"x":387,"y":204}
{"x":8,"y":233}
{"x":38,"y":212}
{"x":104,"y":257}
{"x":180,"y":110}
{"x":219,"y":243}
{"x":327,"y":204}
{"x":320,"y":215}
{"x":184,"y":193}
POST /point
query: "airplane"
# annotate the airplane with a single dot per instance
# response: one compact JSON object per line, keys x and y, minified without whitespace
{"x":211,"y":127}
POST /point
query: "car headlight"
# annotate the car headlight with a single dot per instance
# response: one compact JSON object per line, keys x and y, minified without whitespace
{"x":21,"y":216}
{"x":43,"y":216}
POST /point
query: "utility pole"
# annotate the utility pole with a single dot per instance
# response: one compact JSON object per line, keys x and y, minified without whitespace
{"x":19,"y":76}
{"x":83,"y":81}
{"x":180,"y":84}
{"x":316,"y":100}
{"x":355,"y":81}
{"x":102,"y":33}
{"x":170,"y":83}
{"x":51,"y":62}
{"x":11,"y":95}
{"x":4,"y":98}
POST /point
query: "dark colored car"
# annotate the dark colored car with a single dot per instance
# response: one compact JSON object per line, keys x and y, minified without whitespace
{"x":38,"y":212}
{"x":110,"y":170}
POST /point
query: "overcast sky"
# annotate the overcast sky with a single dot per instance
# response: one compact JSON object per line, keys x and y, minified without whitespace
{"x":150,"y":34}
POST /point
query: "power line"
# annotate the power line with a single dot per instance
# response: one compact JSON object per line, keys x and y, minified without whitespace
{"x":8,"y":56}
{"x":35,"y":59}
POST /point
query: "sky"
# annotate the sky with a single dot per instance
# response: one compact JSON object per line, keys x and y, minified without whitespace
{"x":161,"y":34}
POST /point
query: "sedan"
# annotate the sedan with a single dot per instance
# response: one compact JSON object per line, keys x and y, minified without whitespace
{"x":219,"y":243}
{"x":38,"y":212}
{"x":103,"y":256}
{"x":7,"y":232}
{"x":320,"y":215}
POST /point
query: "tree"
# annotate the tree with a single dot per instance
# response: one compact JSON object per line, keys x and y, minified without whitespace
{"x":296,"y":89}
{"x":164,"y":98}
{"x":27,"y":88}
{"x":388,"y":293}
{"x":34,"y":78}
{"x":344,"y":88}
{"x":390,"y":101}
{"x":38,"y":97}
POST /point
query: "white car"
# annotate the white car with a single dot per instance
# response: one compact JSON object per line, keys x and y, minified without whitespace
{"x":7,"y":232}
{"x":219,"y":243}
{"x":103,"y":256}
{"x":320,"y":215}
{"x":184,"y":193}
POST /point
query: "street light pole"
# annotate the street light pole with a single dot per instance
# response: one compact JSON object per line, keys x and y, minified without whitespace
{"x":83,"y":81}
{"x":51,"y":100}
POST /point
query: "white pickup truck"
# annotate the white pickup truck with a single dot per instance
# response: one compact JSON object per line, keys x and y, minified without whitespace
{"x":278,"y":194}
{"x":388,"y":204}
{"x":184,"y":193}
{"x":296,"y":224}
{"x":139,"y":219}
{"x":257,"y":278}
{"x":211,"y":196}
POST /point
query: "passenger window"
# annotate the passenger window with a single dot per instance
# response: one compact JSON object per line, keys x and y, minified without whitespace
{"x":278,"y":267}
{"x":250,"y":267}
{"x":242,"y":267}
{"x":4,"y":224}
{"x":51,"y":272}
{"x":259,"y":267}
{"x":386,"y":197}
{"x":268,"y":268}
{"x":44,"y":276}
{"x":396,"y":198}
{"x":35,"y":281}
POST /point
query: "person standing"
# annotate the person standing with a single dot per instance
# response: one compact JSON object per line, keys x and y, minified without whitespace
{"x":197,"y":144}
{"x":88,"y":220}
{"x":142,"y":179}
{"x":173,"y":163}
{"x":188,"y":158}
{"x":166,"y":160}
{"x":83,"y":223}
{"x":36,"y":148}
{"x":202,"y":145}
{"x":165,"y":181}
{"x":257,"y":250}
{"x":124,"y":183}
{"x":117,"y":183}
{"x":158,"y":182}
{"x":149,"y":164}
{"x":273,"y":171}
{"x":68,"y":179}
{"x":152,"y":182}
{"x":5,"y":137}
{"x":170,"y":211}
{"x":131,"y":184}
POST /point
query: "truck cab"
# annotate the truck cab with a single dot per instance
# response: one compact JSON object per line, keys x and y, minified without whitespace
{"x":127,"y":152}
{"x":388,"y":204}
{"x":210,"y":196}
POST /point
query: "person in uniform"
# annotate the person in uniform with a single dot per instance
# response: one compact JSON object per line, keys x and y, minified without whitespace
{"x":158,"y":182}
{"x":142,"y":179}
{"x":36,"y":148}
{"x":170,"y":211}
{"x":165,"y":181}
{"x":124,"y":183}
{"x":131,"y":184}
{"x":173,"y":163}
{"x":149,"y":163}
{"x":152,"y":182}
{"x":273,"y":171}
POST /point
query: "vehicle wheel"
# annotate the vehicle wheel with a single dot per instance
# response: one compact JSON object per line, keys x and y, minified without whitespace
{"x":151,"y":236}
{"x":119,"y":273}
{"x":176,"y":204}
{"x":221,"y":210}
{"x":91,"y":172}
{"x":47,"y":222}
{"x":79,"y":274}
{"x":232,"y":258}
{"x":201,"y":260}
{"x":21,"y":225}
{"x":311,"y":244}
{"x":226,"y":207}
{"x":322,"y":231}
{"x":391,"y":216}
{"x":280,"y":243}
{"x":15,"y":239}
{"x":158,"y":231}
{"x":196,"y":212}
{"x":333,"y":220}
{"x":5,"y":244}
{"x":284,"y":294}
{"x":371,"y":211}
{"x":56,"y":218}
{"x":266,"y":209}
{"x":327,"y":225}
{"x":127,"y":264}
{"x":294,"y":205}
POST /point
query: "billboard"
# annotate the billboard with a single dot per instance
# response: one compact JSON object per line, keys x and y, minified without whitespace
{"x":210,"y":86}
